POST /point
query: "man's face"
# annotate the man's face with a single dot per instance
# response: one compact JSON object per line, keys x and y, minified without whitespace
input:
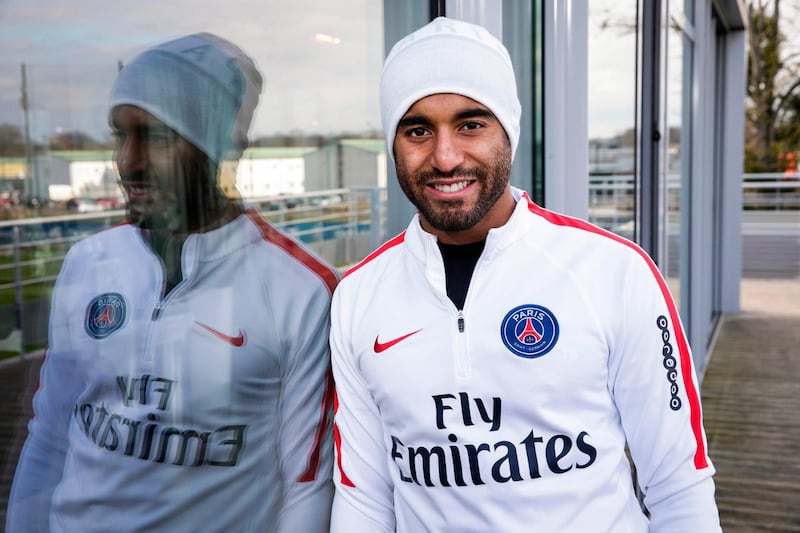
{"x":453,"y":163}
{"x":158,"y":169}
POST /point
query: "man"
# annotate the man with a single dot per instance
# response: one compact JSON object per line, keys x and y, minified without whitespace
{"x":186,"y":386}
{"x":492,"y":361}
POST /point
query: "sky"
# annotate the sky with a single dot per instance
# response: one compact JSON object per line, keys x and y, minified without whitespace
{"x":321,"y":60}
{"x":612,"y":67}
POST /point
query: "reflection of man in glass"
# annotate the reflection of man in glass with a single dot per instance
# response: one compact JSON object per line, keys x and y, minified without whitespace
{"x":186,"y":383}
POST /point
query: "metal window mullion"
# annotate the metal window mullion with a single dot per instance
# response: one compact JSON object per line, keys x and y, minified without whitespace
{"x":650,"y":120}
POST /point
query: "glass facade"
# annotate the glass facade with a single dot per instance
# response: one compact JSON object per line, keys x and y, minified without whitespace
{"x":317,"y":129}
{"x":66,"y":173}
{"x":612,"y":108}
{"x":316,"y":126}
{"x":676,"y":180}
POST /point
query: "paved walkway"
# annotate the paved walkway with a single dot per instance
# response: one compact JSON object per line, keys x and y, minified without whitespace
{"x":751,"y":395}
{"x":751,"y":402}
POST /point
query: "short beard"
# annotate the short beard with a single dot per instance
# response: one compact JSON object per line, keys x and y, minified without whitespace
{"x":193,"y":204}
{"x":452,"y":217}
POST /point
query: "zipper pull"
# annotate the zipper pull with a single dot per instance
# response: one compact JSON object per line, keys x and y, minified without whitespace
{"x":156,"y":313}
{"x":460,"y":321}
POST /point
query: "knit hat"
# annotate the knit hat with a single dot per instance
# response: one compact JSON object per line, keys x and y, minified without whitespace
{"x":202,"y":86}
{"x":449,"y":56}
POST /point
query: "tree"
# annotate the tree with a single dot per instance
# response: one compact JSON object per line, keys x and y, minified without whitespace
{"x":12,"y":143}
{"x":74,"y":140}
{"x":773,"y":86}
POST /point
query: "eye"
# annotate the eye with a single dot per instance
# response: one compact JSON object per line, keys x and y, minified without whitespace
{"x":416,"y":132}
{"x":471,"y":125}
{"x":159,"y":138}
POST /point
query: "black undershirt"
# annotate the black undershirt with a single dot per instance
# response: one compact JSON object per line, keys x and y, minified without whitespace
{"x":459,"y":263}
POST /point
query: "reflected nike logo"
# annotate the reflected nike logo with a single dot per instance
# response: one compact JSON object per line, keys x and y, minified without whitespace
{"x":381,"y":346}
{"x":235,"y":341}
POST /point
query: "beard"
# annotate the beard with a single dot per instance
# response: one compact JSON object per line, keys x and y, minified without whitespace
{"x":454,"y":215}
{"x":187,"y":202}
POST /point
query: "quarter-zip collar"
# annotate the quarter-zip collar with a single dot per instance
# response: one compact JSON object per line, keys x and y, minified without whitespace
{"x":422,"y":245}
{"x":211,"y":246}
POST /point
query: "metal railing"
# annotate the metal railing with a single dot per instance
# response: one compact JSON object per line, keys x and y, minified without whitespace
{"x":344,"y":225}
{"x":770,"y":218}
{"x":613,"y":195}
{"x":771,"y":192}
{"x":341,"y":225}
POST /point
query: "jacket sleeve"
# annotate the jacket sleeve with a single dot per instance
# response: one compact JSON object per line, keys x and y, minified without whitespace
{"x":306,"y":414}
{"x":654,"y":385}
{"x":363,"y":500}
{"x":41,"y":461}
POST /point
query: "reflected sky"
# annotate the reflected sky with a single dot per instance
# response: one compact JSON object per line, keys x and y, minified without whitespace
{"x":612,"y":67}
{"x":321,"y":60}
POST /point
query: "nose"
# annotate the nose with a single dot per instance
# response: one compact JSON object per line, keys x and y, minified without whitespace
{"x":131,"y":155}
{"x":447,"y":154}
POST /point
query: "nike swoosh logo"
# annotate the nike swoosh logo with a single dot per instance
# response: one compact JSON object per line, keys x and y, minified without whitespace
{"x":381,"y":346}
{"x":235,"y":341}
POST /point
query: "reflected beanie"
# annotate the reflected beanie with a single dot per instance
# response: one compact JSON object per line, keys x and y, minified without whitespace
{"x":449,"y":56}
{"x":202,"y":86}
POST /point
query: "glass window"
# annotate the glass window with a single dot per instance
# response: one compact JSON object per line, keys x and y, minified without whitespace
{"x":314,"y":143}
{"x":675,"y":181}
{"x":612,"y":114}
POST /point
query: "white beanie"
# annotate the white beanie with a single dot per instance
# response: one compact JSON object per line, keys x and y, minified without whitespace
{"x":202,"y":86}
{"x":449,"y":56}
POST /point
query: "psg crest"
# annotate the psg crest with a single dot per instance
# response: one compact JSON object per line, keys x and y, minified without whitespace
{"x":529,"y":331}
{"x":105,"y":315}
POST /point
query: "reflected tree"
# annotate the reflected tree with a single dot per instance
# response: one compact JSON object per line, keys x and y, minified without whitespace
{"x":773,"y":86}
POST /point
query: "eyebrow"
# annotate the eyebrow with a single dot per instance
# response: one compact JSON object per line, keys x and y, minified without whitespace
{"x":421,"y":120}
{"x":477,"y":112}
{"x":416,"y":120}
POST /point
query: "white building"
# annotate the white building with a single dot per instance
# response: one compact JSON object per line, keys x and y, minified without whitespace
{"x":61,"y":175}
{"x":267,"y":172}
{"x":347,"y":163}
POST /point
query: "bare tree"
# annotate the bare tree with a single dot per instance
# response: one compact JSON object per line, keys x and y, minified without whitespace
{"x":773,"y":85}
{"x":12,"y":143}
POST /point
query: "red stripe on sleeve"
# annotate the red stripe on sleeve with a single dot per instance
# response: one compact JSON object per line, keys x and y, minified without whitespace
{"x":282,"y":241}
{"x":388,"y":244}
{"x":338,"y":440}
{"x":313,"y":461}
{"x":695,"y":414}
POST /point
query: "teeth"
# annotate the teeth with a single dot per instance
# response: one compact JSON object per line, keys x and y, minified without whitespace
{"x":454,"y":187}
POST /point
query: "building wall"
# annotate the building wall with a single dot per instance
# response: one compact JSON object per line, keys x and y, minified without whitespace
{"x":258,"y":177}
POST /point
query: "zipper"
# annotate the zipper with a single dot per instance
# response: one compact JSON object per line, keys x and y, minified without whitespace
{"x":147,"y":357}
{"x":463,"y":369}
{"x":463,"y":366}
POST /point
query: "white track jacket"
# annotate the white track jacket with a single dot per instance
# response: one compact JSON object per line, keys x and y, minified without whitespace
{"x":513,"y":415}
{"x":207,"y":410}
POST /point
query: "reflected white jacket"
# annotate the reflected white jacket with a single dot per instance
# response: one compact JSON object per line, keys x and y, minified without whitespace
{"x":513,"y":415}
{"x":208,"y":410}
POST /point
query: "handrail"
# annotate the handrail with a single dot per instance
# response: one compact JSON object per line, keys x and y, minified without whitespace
{"x":37,"y":246}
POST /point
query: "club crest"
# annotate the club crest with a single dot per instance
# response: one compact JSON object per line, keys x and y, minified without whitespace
{"x":105,"y":314}
{"x":529,"y":331}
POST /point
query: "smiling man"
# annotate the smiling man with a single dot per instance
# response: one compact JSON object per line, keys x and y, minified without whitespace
{"x":186,"y":386}
{"x":493,"y":360}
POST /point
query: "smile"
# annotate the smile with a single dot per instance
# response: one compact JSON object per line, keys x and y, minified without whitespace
{"x":138,"y":190}
{"x":451,"y":187}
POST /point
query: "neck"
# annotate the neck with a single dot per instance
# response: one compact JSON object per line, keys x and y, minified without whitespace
{"x":169,"y":248}
{"x":167,"y":243}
